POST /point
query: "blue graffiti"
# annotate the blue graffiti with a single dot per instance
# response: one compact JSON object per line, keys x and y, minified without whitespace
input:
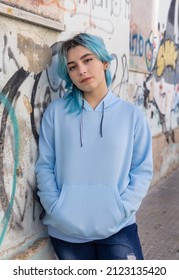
{"x":14,"y":122}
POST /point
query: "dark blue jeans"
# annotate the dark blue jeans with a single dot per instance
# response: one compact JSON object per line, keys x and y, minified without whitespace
{"x":124,"y":245}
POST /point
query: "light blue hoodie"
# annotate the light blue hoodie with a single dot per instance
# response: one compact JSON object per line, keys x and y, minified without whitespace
{"x":93,"y":169}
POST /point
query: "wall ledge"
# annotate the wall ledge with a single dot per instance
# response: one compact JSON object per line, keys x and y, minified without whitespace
{"x":30,"y":17}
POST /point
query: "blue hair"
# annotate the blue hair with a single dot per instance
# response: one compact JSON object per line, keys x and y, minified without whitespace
{"x":96,"y":45}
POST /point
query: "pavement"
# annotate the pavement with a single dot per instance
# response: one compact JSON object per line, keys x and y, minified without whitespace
{"x":158,"y":220}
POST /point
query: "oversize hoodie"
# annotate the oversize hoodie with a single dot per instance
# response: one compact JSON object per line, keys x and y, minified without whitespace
{"x":94,"y":168}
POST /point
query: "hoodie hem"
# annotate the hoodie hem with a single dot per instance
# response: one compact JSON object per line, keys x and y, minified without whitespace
{"x":59,"y":235}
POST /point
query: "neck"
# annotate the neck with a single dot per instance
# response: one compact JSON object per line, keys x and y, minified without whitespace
{"x":94,"y":98}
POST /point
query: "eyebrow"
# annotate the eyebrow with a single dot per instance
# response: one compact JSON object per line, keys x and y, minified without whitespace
{"x":83,"y":56}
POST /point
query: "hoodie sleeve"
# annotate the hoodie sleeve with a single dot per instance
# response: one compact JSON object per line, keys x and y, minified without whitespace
{"x":141,"y":170}
{"x":47,"y":186}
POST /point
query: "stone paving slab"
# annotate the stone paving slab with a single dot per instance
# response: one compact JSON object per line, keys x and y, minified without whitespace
{"x":158,"y":220}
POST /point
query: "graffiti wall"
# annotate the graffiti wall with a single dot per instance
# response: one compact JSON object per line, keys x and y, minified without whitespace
{"x":154,"y":73}
{"x":28,"y":82}
{"x":52,"y":9}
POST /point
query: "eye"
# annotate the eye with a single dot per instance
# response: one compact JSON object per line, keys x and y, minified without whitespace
{"x":71,"y":68}
{"x":88,"y":60}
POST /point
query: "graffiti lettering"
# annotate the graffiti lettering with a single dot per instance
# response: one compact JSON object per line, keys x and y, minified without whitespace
{"x":167,"y":56}
{"x":127,"y":5}
{"x":136,"y":45}
{"x":143,"y":48}
{"x":125,"y":74}
{"x":112,"y":6}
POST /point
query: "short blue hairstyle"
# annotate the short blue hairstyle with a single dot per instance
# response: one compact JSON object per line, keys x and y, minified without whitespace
{"x":96,"y":45}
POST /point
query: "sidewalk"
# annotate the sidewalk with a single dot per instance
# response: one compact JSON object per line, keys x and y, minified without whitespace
{"x":158,"y":220}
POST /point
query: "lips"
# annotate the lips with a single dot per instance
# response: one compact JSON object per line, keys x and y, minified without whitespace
{"x":86,"y":80}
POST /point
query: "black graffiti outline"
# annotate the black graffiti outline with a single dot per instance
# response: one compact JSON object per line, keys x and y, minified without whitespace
{"x":11,"y":91}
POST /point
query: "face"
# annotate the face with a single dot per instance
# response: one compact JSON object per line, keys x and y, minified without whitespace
{"x":86,"y":71}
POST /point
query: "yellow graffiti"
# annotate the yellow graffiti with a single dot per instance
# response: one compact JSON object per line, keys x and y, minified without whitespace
{"x":167,"y":56}
{"x":27,"y":104}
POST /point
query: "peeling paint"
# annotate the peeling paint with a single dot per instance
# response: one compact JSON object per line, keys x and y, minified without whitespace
{"x":19,"y":172}
{"x":33,"y":251}
{"x":9,"y":11}
{"x":27,"y":104}
{"x":38,"y":56}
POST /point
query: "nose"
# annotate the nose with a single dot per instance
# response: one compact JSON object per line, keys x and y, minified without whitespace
{"x":82,"y":69}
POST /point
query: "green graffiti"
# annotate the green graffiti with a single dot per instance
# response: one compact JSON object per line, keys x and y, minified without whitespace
{"x":11,"y":113}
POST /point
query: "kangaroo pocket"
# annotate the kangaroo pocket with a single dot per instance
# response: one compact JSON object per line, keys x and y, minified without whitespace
{"x":88,"y":211}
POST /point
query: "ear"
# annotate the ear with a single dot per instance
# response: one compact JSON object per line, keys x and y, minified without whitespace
{"x":105,"y":65}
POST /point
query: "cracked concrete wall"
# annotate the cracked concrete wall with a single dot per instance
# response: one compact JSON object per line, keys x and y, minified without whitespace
{"x":28,"y":82}
{"x":26,"y":53}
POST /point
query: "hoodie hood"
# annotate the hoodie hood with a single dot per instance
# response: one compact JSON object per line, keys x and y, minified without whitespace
{"x":104,"y":104}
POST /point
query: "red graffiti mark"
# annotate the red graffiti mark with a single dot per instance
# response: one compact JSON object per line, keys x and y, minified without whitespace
{"x":46,"y":3}
{"x":58,"y":4}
